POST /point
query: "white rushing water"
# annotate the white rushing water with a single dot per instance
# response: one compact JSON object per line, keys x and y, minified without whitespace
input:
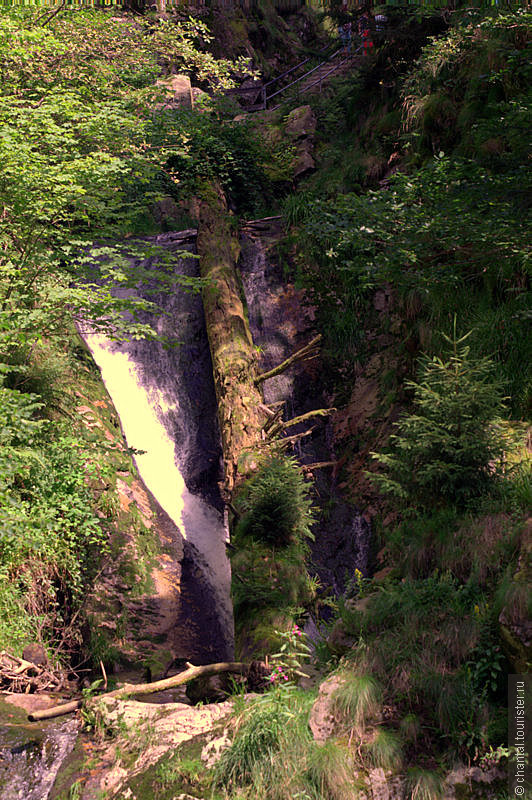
{"x":143,"y":409}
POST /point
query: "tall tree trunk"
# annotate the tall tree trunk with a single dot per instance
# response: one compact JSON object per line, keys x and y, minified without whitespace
{"x":240,"y":408}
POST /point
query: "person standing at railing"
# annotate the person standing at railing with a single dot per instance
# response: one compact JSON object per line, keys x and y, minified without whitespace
{"x":344,"y":32}
{"x":364,"y":30}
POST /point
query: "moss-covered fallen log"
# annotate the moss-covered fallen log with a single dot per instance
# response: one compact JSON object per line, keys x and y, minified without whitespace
{"x":240,"y":406}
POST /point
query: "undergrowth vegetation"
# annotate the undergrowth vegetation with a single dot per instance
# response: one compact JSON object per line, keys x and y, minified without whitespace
{"x":428,"y":269}
{"x":422,"y":286}
{"x":271,"y":585}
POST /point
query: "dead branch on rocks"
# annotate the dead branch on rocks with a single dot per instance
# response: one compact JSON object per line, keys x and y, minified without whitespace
{"x":132,"y":689}
{"x":19,"y":675}
{"x":307,"y":352}
{"x":318,"y":465}
{"x":318,"y":412}
{"x":287,"y":440}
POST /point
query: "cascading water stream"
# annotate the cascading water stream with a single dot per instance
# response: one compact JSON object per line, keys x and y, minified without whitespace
{"x":31,"y":755}
{"x":164,"y":397}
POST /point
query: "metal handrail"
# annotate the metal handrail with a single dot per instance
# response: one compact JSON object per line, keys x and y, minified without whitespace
{"x":322,"y":78}
{"x":336,"y":66}
{"x":292,"y":69}
{"x":301,"y":77}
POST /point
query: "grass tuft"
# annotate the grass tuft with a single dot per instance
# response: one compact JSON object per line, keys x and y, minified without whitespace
{"x":358,"y":699}
{"x":384,"y":750}
{"x":423,"y":785}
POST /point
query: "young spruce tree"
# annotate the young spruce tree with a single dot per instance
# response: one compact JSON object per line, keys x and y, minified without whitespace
{"x":447,"y":450}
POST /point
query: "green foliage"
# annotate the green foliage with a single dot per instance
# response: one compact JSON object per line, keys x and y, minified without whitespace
{"x":292,"y":652}
{"x":176,"y":769}
{"x":424,"y":785}
{"x":451,"y":236}
{"x":431,"y":646}
{"x":384,"y":750}
{"x":261,"y":734}
{"x":328,"y":773}
{"x":50,"y":535}
{"x":276,"y":504}
{"x":451,"y":239}
{"x":200,"y":146}
{"x":469,"y":90}
{"x":446,"y":450}
{"x":269,"y":576}
{"x":273,"y":756}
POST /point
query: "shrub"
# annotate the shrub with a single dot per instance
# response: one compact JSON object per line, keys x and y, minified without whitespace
{"x":423,"y":785}
{"x":445,"y":451}
{"x":276,"y":504}
{"x":328,"y":774}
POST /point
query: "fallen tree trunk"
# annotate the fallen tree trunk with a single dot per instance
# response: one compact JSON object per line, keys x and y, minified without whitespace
{"x":240,"y":405}
{"x":133,"y":689}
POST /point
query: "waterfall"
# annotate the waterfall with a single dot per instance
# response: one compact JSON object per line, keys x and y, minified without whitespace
{"x":165,"y":400}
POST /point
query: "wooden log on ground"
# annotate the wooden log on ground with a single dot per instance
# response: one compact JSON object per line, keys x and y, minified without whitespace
{"x":133,"y":689}
{"x":240,"y":405}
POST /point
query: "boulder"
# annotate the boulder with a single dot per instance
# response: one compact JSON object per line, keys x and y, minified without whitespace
{"x":35,"y":653}
{"x":178,"y":89}
{"x":300,"y":122}
{"x":213,"y":750}
{"x":303,"y":160}
{"x":321,"y":720}
{"x":473,"y":783}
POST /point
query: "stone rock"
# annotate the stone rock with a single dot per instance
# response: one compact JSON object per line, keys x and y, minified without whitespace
{"x":321,"y":720}
{"x":178,"y":89}
{"x":213,"y":750}
{"x":303,"y":160}
{"x":473,"y":783}
{"x":384,"y":786}
{"x":300,"y":122}
{"x":339,"y":641}
{"x":168,"y":725}
{"x":113,"y":779}
{"x":35,"y":653}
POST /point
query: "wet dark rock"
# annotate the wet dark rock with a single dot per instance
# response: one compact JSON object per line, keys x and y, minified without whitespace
{"x":35,"y":653}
